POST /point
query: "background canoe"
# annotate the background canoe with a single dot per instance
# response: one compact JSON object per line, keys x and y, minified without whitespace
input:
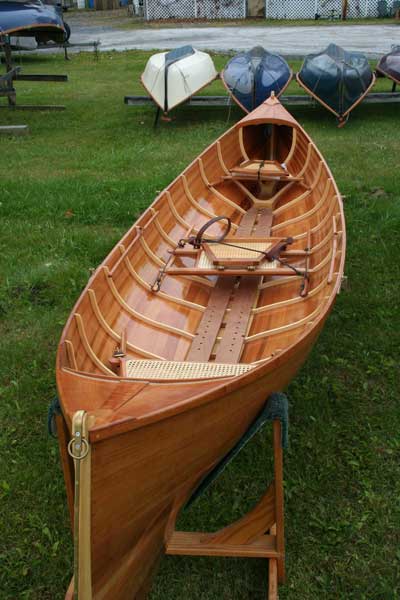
{"x":171,"y":78}
{"x":44,"y":22}
{"x":338,"y":79}
{"x":389,"y":65}
{"x":251,"y":76}
{"x":153,"y":437}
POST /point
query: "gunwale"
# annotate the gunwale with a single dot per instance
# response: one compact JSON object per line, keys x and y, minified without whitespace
{"x":32,"y":24}
{"x":48,"y":26}
{"x":66,"y":376}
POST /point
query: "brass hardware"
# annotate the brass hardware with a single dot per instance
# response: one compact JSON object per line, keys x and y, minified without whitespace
{"x":80,"y":445}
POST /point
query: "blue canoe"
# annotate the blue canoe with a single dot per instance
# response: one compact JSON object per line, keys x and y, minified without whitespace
{"x":338,"y":79}
{"x":251,"y":76}
{"x":32,"y":19}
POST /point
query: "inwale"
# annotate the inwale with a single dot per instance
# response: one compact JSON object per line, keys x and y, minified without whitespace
{"x":160,"y":372}
{"x":337,"y":79}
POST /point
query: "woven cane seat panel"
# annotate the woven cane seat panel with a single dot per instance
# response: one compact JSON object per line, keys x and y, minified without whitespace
{"x":220,"y":251}
{"x":205,"y":262}
{"x":173,"y":370}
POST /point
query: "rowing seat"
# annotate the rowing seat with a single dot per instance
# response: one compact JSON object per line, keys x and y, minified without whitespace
{"x":232,"y":256}
{"x":261,"y":170}
{"x":166,"y":370}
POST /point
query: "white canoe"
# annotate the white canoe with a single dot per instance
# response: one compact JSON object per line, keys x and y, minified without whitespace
{"x":173,"y":77}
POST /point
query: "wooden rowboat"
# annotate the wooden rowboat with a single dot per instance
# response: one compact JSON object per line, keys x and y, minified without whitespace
{"x":389,"y":66}
{"x":177,"y":340}
{"x":337,"y":79}
{"x":250,"y":77}
{"x":171,"y":78}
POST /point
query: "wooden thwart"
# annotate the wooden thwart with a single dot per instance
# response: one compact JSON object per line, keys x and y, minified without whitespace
{"x":261,"y":170}
{"x":247,"y":537}
{"x":210,"y":323}
{"x":230,"y":347}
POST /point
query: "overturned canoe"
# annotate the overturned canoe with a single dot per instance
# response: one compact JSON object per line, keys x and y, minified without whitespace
{"x":250,"y":77}
{"x":171,"y":78}
{"x":27,"y":18}
{"x":389,"y":65}
{"x":338,"y":79}
{"x":183,"y":332}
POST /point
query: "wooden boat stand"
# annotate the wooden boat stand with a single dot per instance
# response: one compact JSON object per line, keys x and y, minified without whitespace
{"x":13,"y":74}
{"x":247,"y":536}
{"x":291,"y":100}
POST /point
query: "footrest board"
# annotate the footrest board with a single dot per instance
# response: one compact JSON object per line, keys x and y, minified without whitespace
{"x":193,"y":543}
{"x":168,"y":370}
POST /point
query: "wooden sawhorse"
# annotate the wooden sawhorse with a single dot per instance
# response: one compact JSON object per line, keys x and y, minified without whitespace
{"x":14,"y":74}
{"x":247,"y":536}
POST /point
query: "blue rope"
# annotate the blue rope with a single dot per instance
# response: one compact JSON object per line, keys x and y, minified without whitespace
{"x":276,"y":408}
{"x":54,"y":409}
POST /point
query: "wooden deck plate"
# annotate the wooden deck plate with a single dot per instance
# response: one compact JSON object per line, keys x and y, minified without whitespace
{"x":210,"y":323}
{"x":231,"y":344}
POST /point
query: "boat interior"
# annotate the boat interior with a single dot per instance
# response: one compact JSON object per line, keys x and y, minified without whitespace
{"x":229,"y":266}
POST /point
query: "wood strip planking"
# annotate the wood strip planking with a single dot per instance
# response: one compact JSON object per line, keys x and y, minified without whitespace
{"x":139,"y":316}
{"x":113,"y":334}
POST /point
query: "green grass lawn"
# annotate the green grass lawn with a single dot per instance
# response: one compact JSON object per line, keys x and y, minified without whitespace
{"x":68,"y":193}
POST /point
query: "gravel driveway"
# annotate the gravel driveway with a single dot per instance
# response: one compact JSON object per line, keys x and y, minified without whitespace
{"x":374,"y":40}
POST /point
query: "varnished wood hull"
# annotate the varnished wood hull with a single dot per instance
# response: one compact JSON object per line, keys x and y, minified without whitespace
{"x":152,"y":441}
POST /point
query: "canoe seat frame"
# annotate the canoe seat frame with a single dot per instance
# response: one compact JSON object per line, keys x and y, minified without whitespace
{"x":261,"y":170}
{"x":234,"y":261}
{"x":258,"y":534}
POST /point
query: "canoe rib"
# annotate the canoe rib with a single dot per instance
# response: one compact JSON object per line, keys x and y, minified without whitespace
{"x":89,"y":350}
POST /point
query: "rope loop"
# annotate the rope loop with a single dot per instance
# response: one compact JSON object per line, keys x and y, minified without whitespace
{"x":197,"y":240}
